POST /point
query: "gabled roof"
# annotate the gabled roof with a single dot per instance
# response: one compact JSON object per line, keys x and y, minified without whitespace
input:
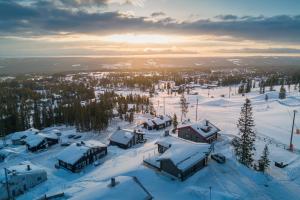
{"x":22,"y":134}
{"x":127,"y":188}
{"x":149,"y":122}
{"x":204,"y":128}
{"x":34,"y":140}
{"x":158,"y":121}
{"x":75,"y":151}
{"x":22,"y":169}
{"x":183,"y":153}
{"x":122,"y":136}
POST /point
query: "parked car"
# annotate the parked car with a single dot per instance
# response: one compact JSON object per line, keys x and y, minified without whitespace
{"x":280,"y":164}
{"x":77,"y":137}
{"x":219,"y":158}
{"x":71,"y":136}
{"x":65,"y":144}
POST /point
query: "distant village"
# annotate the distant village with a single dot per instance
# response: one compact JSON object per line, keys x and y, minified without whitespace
{"x":90,"y":102}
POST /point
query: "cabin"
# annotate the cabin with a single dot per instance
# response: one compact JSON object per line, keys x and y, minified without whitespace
{"x":35,"y":143}
{"x":125,"y":138}
{"x":120,"y":187}
{"x":78,"y":155}
{"x":18,"y":138}
{"x":179,"y":158}
{"x":162,"y":122}
{"x":40,"y":141}
{"x":203,"y":131}
{"x":148,"y":124}
{"x":163,"y":85}
{"x":21,"y":178}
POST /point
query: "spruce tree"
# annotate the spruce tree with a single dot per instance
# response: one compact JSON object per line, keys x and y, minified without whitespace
{"x":282,"y":92}
{"x":244,"y":146}
{"x":175,"y":122}
{"x":264,"y":162}
{"x":183,"y":106}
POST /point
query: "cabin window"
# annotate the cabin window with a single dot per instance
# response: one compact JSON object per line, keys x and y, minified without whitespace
{"x":39,"y":178}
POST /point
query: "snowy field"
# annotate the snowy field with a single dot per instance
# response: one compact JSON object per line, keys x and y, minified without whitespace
{"x":273,"y":121}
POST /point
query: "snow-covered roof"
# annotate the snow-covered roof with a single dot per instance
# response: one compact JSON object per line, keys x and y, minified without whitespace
{"x":22,"y":169}
{"x":122,"y":136}
{"x":34,"y":140}
{"x":183,"y":153}
{"x":49,"y":135}
{"x":204,"y":128}
{"x":127,"y":188}
{"x":158,"y":121}
{"x":22,"y":134}
{"x":149,"y":122}
{"x":72,"y":153}
{"x":75,"y":151}
{"x":94,"y":143}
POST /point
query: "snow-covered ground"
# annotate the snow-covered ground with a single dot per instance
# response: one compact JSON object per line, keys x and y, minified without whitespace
{"x":232,"y":180}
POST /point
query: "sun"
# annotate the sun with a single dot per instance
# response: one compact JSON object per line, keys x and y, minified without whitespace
{"x":139,"y":39}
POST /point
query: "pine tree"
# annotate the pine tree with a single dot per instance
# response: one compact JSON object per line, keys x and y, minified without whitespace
{"x":131,"y":117}
{"x":244,"y":146}
{"x":248,"y":86}
{"x":175,"y":122}
{"x":264,"y":162}
{"x":184,"y":106}
{"x":282,"y":92}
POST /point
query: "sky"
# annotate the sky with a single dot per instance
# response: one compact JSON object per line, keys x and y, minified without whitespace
{"x":149,"y":28}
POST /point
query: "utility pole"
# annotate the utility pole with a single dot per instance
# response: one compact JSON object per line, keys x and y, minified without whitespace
{"x":197,"y":111}
{"x":164,"y":105}
{"x":7,"y":184}
{"x":292,"y":133}
{"x":210,"y":192}
{"x":229,"y":91}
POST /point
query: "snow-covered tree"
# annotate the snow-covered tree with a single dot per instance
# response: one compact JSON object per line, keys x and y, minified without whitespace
{"x":175,"y":122}
{"x":264,"y":162}
{"x":183,"y":106}
{"x":244,"y":146}
{"x":282,"y":92}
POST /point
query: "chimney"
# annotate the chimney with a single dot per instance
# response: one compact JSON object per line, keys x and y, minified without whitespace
{"x":206,"y":123}
{"x":28,"y":168}
{"x":113,"y":182}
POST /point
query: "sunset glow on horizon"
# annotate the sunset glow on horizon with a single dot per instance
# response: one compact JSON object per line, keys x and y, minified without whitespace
{"x":144,"y":28}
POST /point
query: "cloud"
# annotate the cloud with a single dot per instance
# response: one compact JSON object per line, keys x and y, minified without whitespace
{"x":262,"y":50}
{"x":48,"y":18}
{"x":158,"y":14}
{"x":227,"y":17}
